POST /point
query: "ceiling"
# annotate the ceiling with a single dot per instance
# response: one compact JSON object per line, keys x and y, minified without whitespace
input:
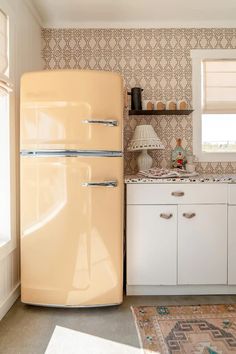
{"x":136,"y":13}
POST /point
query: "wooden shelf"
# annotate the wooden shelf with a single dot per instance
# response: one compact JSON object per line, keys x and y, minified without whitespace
{"x":165,"y":112}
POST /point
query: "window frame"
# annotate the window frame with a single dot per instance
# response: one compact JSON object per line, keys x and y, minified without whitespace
{"x":8,"y":244}
{"x":198,"y":56}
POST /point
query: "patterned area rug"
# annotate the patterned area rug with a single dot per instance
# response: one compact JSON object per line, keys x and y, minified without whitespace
{"x":202,"y":329}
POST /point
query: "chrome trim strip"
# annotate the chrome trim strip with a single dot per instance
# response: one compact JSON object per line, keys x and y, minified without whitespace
{"x":71,"y":153}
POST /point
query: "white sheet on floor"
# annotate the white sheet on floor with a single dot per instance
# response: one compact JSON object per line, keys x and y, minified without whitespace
{"x":68,"y":341}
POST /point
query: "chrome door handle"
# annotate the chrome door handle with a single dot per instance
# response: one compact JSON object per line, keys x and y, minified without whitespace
{"x":166,"y":216}
{"x":177,"y":194}
{"x":189,"y":215}
{"x":107,"y":122}
{"x":111,"y":184}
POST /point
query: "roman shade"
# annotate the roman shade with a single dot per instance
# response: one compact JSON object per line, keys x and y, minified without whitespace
{"x":5,"y":85}
{"x":219,"y":84}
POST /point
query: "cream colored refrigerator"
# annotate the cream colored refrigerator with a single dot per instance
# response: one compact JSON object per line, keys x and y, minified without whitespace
{"x":71,"y":188}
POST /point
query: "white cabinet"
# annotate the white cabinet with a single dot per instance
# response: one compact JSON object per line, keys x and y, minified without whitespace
{"x":232,"y":194}
{"x":232,"y":235}
{"x":151,"y":244}
{"x":177,"y":238}
{"x":232,"y":244}
{"x":202,"y":244}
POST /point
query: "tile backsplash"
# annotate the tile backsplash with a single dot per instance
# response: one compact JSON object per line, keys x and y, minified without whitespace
{"x":158,"y":60}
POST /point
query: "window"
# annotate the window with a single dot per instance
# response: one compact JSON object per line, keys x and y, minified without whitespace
{"x":3,"y":42}
{"x":214,"y":103}
{"x":6,"y":111}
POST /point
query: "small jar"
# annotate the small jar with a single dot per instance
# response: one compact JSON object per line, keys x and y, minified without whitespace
{"x":171,"y":105}
{"x":147,"y":105}
{"x":160,"y":106}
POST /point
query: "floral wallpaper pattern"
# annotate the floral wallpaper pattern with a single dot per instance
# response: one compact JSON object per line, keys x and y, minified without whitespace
{"x":158,"y":60}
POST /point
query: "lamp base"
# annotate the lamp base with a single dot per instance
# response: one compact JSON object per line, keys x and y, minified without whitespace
{"x":144,"y":161}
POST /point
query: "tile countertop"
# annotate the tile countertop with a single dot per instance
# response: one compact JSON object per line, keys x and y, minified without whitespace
{"x":201,"y":178}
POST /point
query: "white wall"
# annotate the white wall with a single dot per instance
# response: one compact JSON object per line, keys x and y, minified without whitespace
{"x":27,"y":57}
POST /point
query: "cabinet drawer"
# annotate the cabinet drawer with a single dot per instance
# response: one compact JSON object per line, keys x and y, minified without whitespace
{"x":177,"y":193}
{"x":232,"y":194}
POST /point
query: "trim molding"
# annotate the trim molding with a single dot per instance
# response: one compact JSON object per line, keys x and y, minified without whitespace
{"x":204,"y":54}
{"x":132,"y":25}
{"x":34,"y":12}
{"x":9,"y":301}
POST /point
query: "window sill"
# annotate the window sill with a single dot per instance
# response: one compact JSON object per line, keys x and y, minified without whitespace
{"x":2,"y":243}
{"x":6,"y":247}
{"x":215,"y":157}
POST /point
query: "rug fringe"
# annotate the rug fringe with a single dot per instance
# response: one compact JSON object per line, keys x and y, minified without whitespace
{"x":139,"y":335}
{"x":137,"y":330}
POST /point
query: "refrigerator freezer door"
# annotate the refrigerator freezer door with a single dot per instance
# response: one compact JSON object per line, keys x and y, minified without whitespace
{"x":72,"y":109}
{"x":71,"y":230}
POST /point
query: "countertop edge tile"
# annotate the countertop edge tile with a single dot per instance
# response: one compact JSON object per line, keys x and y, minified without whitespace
{"x":201,"y":178}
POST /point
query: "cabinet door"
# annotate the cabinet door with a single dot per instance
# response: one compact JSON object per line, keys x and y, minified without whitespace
{"x":232,"y":245}
{"x":202,"y":244}
{"x":151,"y":244}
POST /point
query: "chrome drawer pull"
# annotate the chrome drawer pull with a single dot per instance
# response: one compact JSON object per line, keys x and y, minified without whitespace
{"x":107,"y":122}
{"x":177,"y":194}
{"x":111,"y":184}
{"x":189,"y":215}
{"x":166,"y":216}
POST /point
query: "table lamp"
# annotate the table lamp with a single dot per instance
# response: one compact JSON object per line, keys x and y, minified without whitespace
{"x":144,"y":138}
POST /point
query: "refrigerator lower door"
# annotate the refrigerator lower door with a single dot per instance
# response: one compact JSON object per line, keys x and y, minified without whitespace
{"x":71,"y":230}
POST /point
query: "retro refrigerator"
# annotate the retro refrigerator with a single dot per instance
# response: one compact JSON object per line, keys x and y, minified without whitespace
{"x":71,"y":188}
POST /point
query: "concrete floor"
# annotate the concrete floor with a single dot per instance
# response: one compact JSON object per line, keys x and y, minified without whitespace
{"x":28,"y":329}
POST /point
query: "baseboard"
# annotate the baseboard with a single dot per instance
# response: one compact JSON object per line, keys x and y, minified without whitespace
{"x":181,"y":290}
{"x":9,"y":301}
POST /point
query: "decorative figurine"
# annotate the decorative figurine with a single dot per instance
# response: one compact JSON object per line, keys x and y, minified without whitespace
{"x":178,"y":156}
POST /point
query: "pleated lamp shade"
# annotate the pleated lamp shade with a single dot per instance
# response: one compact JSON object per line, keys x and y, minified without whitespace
{"x":145,"y":138}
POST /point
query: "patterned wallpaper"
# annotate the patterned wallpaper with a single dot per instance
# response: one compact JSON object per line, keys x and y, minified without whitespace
{"x":158,"y":60}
